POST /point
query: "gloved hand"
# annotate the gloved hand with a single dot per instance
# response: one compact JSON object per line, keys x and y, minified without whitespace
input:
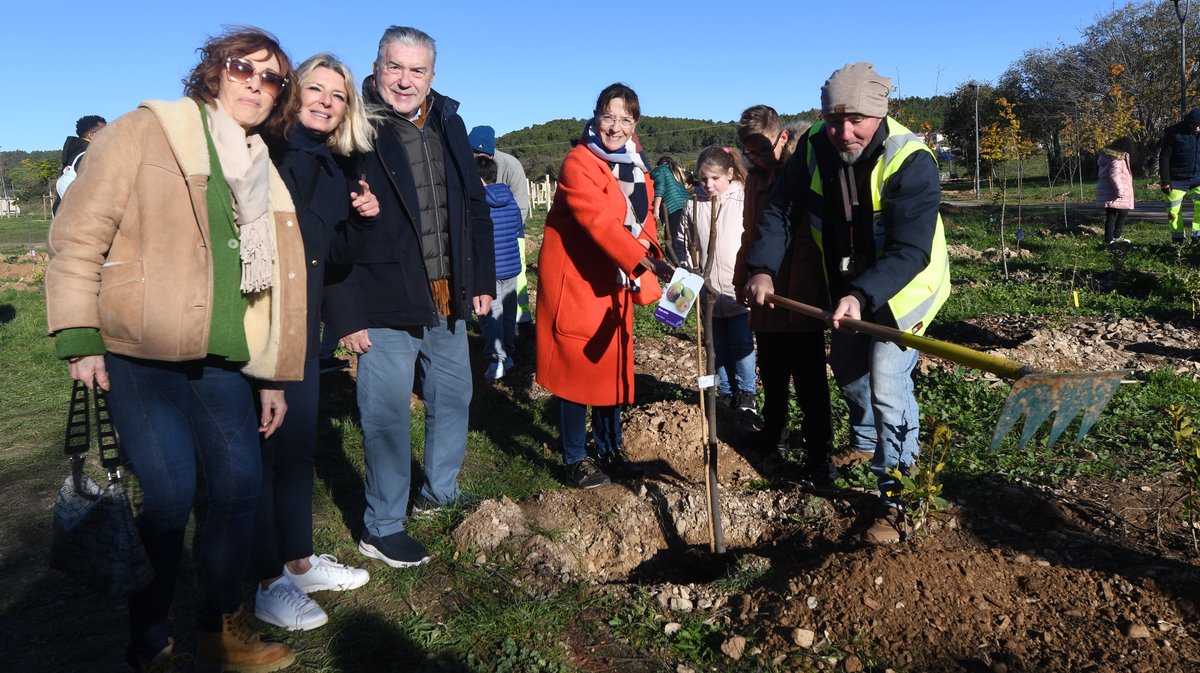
{"x":1166,"y":187}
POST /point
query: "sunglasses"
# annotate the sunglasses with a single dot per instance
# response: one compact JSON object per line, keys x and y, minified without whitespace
{"x":242,"y":71}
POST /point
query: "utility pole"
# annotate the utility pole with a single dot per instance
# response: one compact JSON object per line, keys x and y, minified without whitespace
{"x":1182,"y":13}
{"x":976,"y":85}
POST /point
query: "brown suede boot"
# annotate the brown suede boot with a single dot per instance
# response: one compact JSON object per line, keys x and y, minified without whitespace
{"x":237,"y":647}
{"x":887,"y":529}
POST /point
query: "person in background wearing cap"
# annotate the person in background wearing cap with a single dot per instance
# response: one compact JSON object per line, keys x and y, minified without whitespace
{"x":884,"y":257}
{"x":1179,"y":171}
{"x":509,"y":172}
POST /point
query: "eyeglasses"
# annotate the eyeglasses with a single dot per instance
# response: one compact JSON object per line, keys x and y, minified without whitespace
{"x":609,"y":120}
{"x":242,"y":71}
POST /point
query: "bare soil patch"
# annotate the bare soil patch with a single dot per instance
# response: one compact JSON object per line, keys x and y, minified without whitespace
{"x":1091,"y":576}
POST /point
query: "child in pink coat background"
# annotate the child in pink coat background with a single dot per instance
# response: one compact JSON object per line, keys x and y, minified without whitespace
{"x":1114,"y":190}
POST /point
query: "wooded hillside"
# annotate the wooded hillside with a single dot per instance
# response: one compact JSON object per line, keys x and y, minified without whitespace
{"x":541,"y":147}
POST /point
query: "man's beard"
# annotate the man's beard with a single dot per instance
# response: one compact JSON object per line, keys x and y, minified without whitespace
{"x":850,"y":157}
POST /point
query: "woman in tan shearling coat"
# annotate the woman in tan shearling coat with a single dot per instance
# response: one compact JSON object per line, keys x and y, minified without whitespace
{"x":177,"y":271}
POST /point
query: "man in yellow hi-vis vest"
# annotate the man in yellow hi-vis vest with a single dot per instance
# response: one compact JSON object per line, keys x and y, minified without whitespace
{"x":1179,"y":173}
{"x":868,"y":190}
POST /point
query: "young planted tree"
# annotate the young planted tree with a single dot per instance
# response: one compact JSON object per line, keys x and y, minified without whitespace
{"x":1098,"y":121}
{"x":44,"y":172}
{"x":1002,"y":144}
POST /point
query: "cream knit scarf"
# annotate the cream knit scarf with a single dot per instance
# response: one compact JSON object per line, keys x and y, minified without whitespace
{"x":246,"y":165}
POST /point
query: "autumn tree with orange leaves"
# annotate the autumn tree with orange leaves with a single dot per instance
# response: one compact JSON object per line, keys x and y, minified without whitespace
{"x":1003,"y":144}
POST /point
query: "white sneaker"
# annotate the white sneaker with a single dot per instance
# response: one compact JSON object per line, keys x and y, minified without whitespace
{"x":326,"y":574}
{"x":282,"y":604}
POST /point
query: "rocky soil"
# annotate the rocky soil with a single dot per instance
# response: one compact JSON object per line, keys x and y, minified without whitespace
{"x":1089,"y":576}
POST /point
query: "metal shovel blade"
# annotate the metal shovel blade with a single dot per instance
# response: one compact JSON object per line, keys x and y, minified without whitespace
{"x":1064,"y":394}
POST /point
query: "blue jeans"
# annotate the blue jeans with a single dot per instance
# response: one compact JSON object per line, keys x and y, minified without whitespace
{"x":876,"y":381}
{"x":499,"y":327}
{"x":734,"y":345}
{"x":385,"y":384}
{"x":168,"y":414}
{"x":572,"y":427}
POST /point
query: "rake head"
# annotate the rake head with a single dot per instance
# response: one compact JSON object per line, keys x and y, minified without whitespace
{"x":1066,"y":395}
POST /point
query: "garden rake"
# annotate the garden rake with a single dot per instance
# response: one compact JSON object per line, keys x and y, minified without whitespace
{"x":1035,"y":394}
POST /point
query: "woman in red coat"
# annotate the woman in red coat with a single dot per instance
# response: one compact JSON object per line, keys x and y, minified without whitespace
{"x":590,"y":274}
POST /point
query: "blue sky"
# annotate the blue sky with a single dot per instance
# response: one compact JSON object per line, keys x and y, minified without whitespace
{"x":515,"y":64}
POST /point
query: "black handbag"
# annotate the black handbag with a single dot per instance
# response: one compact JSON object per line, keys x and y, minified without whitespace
{"x":95,"y":538}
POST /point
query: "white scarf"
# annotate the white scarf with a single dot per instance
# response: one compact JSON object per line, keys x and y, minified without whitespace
{"x":629,"y":168}
{"x":246,"y":164}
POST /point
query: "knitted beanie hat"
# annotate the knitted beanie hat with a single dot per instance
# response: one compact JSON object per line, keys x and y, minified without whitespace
{"x":856,"y":88}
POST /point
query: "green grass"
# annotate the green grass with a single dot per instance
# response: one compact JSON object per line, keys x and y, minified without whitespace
{"x":1151,"y":278}
{"x":24,"y":231}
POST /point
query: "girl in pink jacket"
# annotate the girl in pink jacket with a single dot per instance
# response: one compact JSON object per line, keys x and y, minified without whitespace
{"x":1114,"y":190}
{"x":723,"y":175}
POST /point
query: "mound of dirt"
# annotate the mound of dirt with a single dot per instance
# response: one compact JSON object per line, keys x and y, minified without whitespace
{"x":609,"y":533}
{"x":1093,"y":576}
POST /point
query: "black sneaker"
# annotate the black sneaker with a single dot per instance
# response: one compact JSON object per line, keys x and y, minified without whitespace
{"x":333,"y":365}
{"x":744,"y":401}
{"x":587,"y":476}
{"x":617,"y":463}
{"x":397,"y":550}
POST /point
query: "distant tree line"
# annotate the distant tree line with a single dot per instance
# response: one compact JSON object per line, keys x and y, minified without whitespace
{"x":1121,"y":79}
{"x":29,"y":175}
{"x":541,"y":147}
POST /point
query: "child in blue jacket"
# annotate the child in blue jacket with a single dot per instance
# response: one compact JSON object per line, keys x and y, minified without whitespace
{"x":499,"y":327}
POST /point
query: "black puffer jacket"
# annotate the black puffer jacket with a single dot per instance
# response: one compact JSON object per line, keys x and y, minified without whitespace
{"x":387,"y":285}
{"x":1179,"y":158}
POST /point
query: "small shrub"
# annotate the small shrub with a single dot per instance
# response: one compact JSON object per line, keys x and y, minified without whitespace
{"x":1187,"y":449}
{"x":920,"y":490}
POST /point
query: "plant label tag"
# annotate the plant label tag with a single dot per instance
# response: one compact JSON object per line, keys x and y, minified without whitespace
{"x":707,"y":381}
{"x":678,"y":298}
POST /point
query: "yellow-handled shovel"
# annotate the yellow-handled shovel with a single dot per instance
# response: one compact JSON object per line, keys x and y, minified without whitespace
{"x":1035,"y":394}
